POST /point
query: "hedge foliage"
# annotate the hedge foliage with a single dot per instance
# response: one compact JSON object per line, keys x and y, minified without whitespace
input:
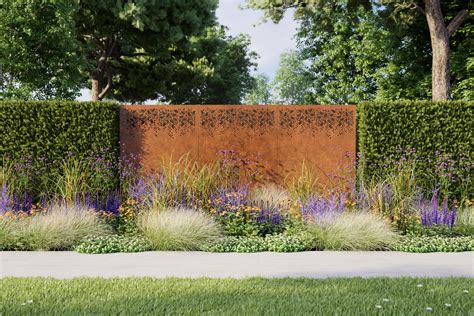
{"x":39,"y":138}
{"x":54,"y":129}
{"x":434,"y":129}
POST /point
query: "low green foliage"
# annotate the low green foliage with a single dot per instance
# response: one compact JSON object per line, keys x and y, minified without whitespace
{"x":352,"y":231}
{"x":237,"y":244}
{"x":275,"y":243}
{"x":289,"y":243}
{"x":113,"y":243}
{"x":148,"y":296}
{"x":435,"y":244}
{"x":177,"y":229}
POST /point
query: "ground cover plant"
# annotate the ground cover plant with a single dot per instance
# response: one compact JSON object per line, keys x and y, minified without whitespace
{"x":435,"y":244}
{"x":113,"y":243}
{"x":275,"y":243}
{"x":355,"y":296}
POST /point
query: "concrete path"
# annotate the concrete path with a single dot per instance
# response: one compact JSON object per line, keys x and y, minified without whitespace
{"x":219,"y":265}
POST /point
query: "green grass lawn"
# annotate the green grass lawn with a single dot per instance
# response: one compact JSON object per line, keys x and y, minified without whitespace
{"x":130,"y":296}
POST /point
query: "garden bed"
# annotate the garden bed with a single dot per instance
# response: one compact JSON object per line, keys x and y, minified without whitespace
{"x":223,"y":207}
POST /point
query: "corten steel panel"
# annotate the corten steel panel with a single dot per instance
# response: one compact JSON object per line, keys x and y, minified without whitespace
{"x":280,"y":136}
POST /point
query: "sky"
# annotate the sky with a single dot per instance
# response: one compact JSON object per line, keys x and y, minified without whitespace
{"x":268,"y":40}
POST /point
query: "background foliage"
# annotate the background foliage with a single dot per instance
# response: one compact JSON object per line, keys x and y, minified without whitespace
{"x":349,"y":51}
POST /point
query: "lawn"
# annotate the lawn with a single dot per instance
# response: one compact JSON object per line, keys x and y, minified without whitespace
{"x":130,"y":296}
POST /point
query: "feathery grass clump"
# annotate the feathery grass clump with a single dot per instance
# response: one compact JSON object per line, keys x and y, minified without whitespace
{"x":61,"y":228}
{"x":352,"y":231}
{"x":271,"y":197}
{"x":9,"y":238}
{"x":177,"y":228}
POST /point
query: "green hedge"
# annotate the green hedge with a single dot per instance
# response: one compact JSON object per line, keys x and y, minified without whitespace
{"x":54,"y":128}
{"x":57,"y":129}
{"x":386,"y":129}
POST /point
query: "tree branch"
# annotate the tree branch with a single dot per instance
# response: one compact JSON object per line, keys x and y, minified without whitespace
{"x":457,"y":21}
{"x":416,"y":5}
{"x":108,"y":86}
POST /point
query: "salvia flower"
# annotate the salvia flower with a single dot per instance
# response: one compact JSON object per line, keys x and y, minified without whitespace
{"x":431,"y":214}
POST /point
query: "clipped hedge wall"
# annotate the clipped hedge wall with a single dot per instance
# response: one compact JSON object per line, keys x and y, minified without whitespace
{"x":386,"y":129}
{"x":54,"y":130}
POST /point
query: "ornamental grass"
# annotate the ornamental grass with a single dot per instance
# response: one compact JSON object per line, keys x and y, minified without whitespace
{"x":352,"y":231}
{"x":178,"y":228}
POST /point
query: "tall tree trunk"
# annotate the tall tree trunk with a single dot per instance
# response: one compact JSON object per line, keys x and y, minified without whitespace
{"x":95,"y":88}
{"x":440,"y":49}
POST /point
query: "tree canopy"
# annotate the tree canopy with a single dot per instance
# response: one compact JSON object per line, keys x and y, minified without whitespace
{"x":361,"y":49}
{"x":172,"y":51}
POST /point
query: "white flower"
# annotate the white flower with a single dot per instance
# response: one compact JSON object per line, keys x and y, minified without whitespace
{"x":378,"y":306}
{"x":419,"y":285}
{"x":465,"y":291}
{"x":429,"y":309}
{"x":386,"y":300}
{"x":447,"y":305}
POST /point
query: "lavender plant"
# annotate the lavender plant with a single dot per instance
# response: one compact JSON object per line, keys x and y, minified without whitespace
{"x":431,"y":214}
{"x":316,"y":208}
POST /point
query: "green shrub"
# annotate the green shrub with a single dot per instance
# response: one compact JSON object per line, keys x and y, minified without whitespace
{"x":61,"y":228}
{"x":352,"y":231}
{"x":435,"y":244}
{"x":177,"y":229}
{"x":275,"y":243}
{"x":113,"y":243}
{"x":45,"y":133}
{"x":437,"y":130}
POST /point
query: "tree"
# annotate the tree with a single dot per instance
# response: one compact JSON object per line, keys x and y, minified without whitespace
{"x":134,"y":39}
{"x":260,"y":92}
{"x":217,"y":70}
{"x":292,"y":83}
{"x":38,"y":51}
{"x":357,"y":11}
{"x":439,"y":35}
{"x":125,"y":48}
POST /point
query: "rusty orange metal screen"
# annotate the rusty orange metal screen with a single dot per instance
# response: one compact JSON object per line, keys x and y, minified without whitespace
{"x":280,"y":136}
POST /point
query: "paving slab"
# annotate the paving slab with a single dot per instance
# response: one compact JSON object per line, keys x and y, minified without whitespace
{"x":315,"y":264}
